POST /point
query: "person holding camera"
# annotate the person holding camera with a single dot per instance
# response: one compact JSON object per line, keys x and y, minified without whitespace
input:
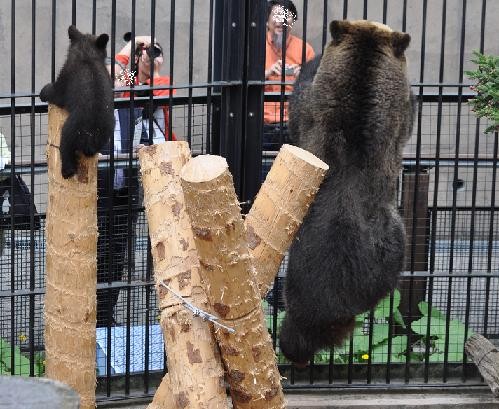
{"x":146,"y":53}
{"x":118,"y":192}
{"x":281,"y":16}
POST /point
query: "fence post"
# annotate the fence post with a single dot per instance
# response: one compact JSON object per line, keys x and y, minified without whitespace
{"x":71,"y":267}
{"x":253,"y":103}
{"x":413,"y":290}
{"x":232,"y":63}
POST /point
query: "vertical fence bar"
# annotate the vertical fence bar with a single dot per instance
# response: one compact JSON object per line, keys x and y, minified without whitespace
{"x":491,"y":230}
{"x":421,"y":284}
{"x":254,"y":98}
{"x":324,"y":26}
{"x":94,"y":16}
{"x":350,"y":361}
{"x":129,"y":218}
{"x":404,"y":16}
{"x":172,"y":56}
{"x":364,"y":15}
{"x":12,"y":176}
{"x":32,"y":190}
{"x":218,"y":38}
{"x":109,"y":225}
{"x":304,"y":36}
{"x":73,"y":12}
{"x":52,"y":44}
{"x":345,"y":9}
{"x":370,"y":347}
{"x":476,"y":154}
{"x":385,"y":10}
{"x":209,"y":79}
{"x":275,"y":312}
{"x":149,"y":263}
{"x":454,"y":190}
{"x":390,"y":336}
{"x":191,"y":59}
{"x":331,"y":365}
{"x":283,"y":80}
{"x":231,"y":112}
{"x":434,"y":212}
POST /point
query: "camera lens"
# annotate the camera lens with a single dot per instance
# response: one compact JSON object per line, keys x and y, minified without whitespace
{"x":156,"y":51}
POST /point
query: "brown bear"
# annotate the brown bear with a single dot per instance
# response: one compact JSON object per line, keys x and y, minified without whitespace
{"x":353,"y":108}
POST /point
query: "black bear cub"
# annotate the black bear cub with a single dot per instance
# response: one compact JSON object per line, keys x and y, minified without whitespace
{"x":84,"y":88}
{"x":353,"y":108}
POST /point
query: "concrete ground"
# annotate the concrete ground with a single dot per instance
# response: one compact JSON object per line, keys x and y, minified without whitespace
{"x":410,"y":398}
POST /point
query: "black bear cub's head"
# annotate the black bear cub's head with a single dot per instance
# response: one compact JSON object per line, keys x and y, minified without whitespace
{"x":87,"y":44}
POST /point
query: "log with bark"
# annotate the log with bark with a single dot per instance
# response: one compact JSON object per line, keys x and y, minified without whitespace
{"x":485,"y":355}
{"x":71,"y":266}
{"x":229,"y":278}
{"x":279,"y":209}
{"x":195,"y":373}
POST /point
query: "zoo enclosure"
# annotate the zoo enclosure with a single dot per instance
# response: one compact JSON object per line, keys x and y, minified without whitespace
{"x":447,"y":189}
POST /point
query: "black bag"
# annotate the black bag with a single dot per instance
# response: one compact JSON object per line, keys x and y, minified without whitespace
{"x":22,"y":200}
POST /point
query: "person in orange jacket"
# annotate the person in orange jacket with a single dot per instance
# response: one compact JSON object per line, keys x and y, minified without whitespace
{"x":281,"y":16}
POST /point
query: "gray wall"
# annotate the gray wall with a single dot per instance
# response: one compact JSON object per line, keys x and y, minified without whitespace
{"x":201,"y":20}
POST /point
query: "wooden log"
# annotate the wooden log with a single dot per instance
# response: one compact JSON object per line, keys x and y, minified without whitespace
{"x":485,"y":355}
{"x":228,"y":275}
{"x":163,"y":397}
{"x":279,"y":209}
{"x":71,"y":266}
{"x":195,"y":372}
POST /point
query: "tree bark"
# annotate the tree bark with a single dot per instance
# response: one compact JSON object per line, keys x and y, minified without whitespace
{"x":279,"y":209}
{"x":229,"y":278}
{"x":195,"y":373}
{"x":71,"y":265}
{"x":485,"y":355}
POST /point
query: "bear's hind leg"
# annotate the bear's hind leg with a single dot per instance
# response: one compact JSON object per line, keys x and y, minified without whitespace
{"x":296,"y":345}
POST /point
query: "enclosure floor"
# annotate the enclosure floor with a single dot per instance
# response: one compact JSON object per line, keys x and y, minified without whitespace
{"x":360,"y":399}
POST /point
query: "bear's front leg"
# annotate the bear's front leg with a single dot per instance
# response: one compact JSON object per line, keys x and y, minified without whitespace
{"x":51,"y":95}
{"x":46,"y":93}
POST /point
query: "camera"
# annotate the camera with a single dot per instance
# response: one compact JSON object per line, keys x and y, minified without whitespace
{"x":153,"y":51}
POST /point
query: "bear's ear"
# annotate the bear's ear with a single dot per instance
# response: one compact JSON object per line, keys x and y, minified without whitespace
{"x":338,"y":28}
{"x":101,"y":41}
{"x":400,"y":42}
{"x":73,"y":33}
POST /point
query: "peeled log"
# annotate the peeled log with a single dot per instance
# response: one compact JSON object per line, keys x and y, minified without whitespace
{"x":279,"y":209}
{"x":485,"y":355}
{"x":163,"y":397}
{"x":71,"y":265}
{"x":228,"y":275}
{"x":195,"y":373}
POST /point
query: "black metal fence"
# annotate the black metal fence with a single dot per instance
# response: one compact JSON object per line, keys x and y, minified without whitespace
{"x":447,"y":192}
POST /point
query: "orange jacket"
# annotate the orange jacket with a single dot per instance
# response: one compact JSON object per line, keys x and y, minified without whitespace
{"x":294,"y":49}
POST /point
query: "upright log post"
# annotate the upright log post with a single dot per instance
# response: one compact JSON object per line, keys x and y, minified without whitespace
{"x":195,"y":373}
{"x":279,"y":208}
{"x":229,"y":278}
{"x":71,"y":267}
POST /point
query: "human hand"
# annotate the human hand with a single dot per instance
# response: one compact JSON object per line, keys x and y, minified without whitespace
{"x":275,"y":68}
{"x":144,"y":41}
{"x":296,"y":70}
